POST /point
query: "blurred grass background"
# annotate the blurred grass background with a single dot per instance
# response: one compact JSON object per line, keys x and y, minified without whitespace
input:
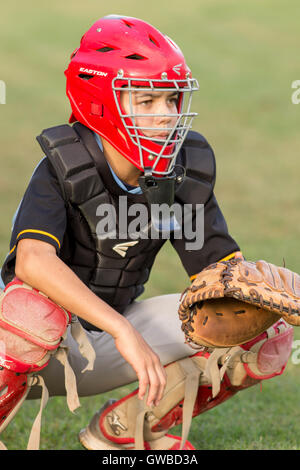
{"x":245,"y":56}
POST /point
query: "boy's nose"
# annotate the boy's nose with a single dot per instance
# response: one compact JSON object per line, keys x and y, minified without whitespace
{"x":165,"y":114}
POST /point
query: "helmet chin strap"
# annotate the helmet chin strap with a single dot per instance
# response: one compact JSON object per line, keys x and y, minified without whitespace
{"x":159,"y":193}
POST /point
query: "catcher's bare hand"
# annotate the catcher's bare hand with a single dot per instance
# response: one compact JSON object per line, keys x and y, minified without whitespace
{"x":145,"y":362}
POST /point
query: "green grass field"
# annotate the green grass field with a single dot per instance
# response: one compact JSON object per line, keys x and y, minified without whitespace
{"x":245,"y":56}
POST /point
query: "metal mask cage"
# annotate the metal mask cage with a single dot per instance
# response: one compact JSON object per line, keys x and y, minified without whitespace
{"x":168,"y":147}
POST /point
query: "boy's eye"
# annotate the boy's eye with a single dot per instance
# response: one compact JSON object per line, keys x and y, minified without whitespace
{"x":145,"y":102}
{"x":174,"y":99}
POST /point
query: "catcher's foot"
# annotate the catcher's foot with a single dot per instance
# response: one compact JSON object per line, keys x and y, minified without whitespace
{"x":92,"y":438}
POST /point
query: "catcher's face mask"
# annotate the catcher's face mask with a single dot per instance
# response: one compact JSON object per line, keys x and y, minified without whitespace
{"x":154,"y":115}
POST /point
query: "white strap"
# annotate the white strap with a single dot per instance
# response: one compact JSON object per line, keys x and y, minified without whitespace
{"x":35,"y":434}
{"x":271,"y":332}
{"x":85,"y":347}
{"x":2,"y":446}
{"x":139,"y":424}
{"x":70,"y":379}
{"x":192,"y":373}
{"x":212,"y":370}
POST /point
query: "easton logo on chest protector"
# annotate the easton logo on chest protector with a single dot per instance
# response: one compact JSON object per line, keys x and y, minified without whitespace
{"x":121,"y":248}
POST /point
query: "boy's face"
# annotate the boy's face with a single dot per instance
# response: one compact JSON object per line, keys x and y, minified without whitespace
{"x":156,"y":111}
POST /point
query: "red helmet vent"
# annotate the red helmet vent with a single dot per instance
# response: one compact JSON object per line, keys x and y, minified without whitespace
{"x":106,"y":49}
{"x":135,"y":57}
{"x":85,"y":76}
{"x":127,"y":23}
{"x":153,"y":40}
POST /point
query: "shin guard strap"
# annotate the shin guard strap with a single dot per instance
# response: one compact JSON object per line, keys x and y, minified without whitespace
{"x":70,"y":379}
{"x":85,"y":347}
{"x":139,"y":424}
{"x":192,"y":373}
{"x":2,"y":446}
{"x":35,"y":434}
{"x":215,"y":373}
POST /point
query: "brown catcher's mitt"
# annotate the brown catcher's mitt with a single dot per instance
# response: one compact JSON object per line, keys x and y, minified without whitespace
{"x":232,"y":302}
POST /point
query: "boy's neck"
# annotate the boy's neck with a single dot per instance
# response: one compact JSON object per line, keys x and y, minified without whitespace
{"x":124,"y":169}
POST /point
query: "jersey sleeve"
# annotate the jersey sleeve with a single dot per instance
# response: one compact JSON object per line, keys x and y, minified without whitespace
{"x":41,"y":215}
{"x":212,"y":241}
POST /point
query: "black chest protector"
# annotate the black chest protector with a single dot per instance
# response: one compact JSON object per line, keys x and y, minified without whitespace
{"x":114,"y":268}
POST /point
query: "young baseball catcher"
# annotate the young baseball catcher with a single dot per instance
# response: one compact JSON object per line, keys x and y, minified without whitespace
{"x":84,"y":241}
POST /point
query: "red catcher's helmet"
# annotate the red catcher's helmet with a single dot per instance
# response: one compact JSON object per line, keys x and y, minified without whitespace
{"x":118,"y":52}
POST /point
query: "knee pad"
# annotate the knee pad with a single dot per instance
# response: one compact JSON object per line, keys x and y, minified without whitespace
{"x":31,"y":330}
{"x":262,"y":358}
{"x":269,"y":354}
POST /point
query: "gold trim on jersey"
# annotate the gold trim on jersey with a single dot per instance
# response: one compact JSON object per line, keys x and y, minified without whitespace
{"x":36,"y":231}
